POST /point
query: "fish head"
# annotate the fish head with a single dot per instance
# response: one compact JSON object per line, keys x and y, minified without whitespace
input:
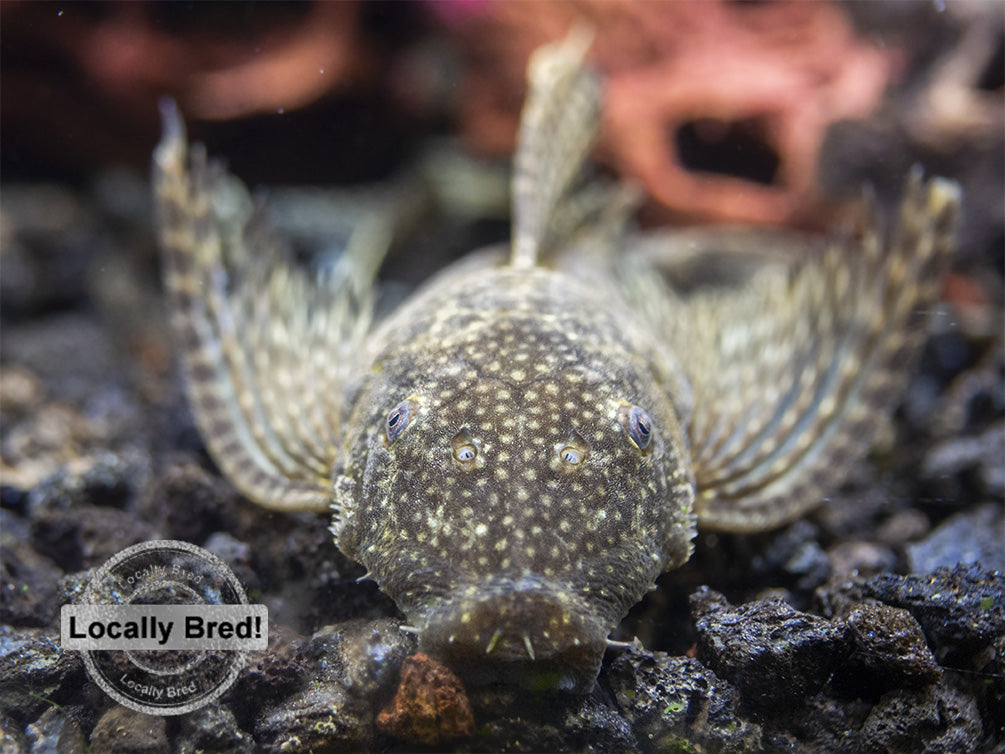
{"x":515,"y":507}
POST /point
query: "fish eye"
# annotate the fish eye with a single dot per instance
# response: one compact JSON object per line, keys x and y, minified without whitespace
{"x":399,"y":418}
{"x":638,"y":424}
{"x":465,"y":449}
{"x":571,"y":453}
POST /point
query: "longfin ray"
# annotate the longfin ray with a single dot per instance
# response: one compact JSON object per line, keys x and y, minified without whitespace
{"x":792,"y":370}
{"x":267,"y":347}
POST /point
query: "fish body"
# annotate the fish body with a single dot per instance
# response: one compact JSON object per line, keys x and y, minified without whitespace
{"x":514,"y":515}
{"x":521,"y":448}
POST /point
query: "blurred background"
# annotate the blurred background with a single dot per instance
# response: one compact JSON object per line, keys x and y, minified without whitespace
{"x":725,"y":111}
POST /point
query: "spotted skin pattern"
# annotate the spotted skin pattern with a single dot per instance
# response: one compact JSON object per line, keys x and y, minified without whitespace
{"x":552,"y":512}
{"x":521,"y":448}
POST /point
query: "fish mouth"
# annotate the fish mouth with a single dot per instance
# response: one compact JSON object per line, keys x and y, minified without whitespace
{"x":523,"y":631}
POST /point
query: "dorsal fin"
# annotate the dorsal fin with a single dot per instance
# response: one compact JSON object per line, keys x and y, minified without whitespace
{"x":557,"y":129}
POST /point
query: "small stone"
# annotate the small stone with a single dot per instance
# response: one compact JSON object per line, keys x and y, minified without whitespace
{"x":962,"y":611}
{"x":238,"y":556}
{"x":512,"y":720}
{"x":890,"y":649}
{"x":669,"y":700}
{"x":20,"y":391}
{"x":902,"y":527}
{"x":56,"y":732}
{"x":847,"y":558}
{"x":984,"y":453}
{"x":310,"y":721}
{"x":371,"y":654}
{"x":270,"y":674}
{"x":125,"y":731}
{"x":598,"y":726}
{"x":796,"y":553}
{"x":28,"y":592}
{"x":35,"y":673}
{"x":211,"y":729}
{"x":774,"y":654}
{"x":102,"y":479}
{"x":810,"y":565}
{"x":431,"y":706}
{"x":974,"y":537}
{"x":346,"y":668}
{"x":937,"y":718}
